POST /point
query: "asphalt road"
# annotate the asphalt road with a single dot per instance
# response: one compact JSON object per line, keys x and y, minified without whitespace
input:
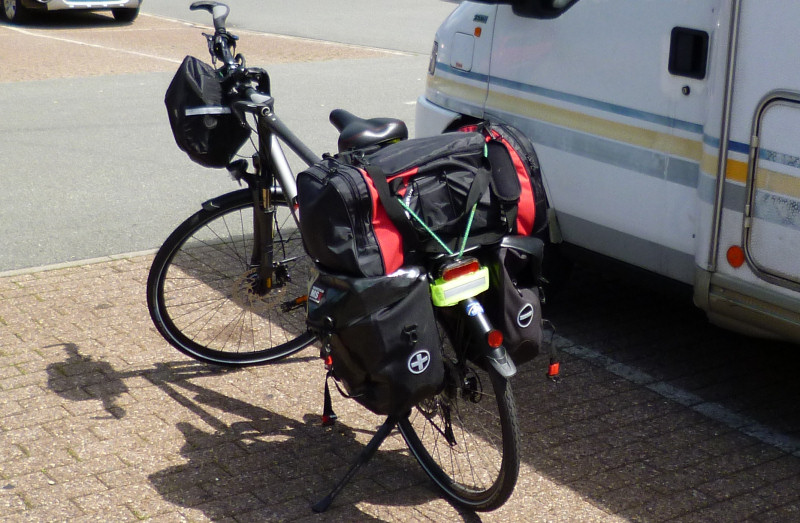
{"x":406,"y":25}
{"x":89,"y":164}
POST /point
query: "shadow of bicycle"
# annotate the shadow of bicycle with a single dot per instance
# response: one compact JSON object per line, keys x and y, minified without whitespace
{"x":263,"y":465}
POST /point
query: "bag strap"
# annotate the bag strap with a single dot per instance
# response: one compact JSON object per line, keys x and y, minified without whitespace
{"x":554,"y":367}
{"x":436,"y":236}
{"x":391,"y":205}
{"x":397,"y":209}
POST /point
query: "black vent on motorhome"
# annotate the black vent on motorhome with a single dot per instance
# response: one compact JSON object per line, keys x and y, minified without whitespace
{"x":688,"y":53}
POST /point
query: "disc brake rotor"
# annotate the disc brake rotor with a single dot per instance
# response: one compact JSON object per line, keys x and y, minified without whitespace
{"x":246,"y":295}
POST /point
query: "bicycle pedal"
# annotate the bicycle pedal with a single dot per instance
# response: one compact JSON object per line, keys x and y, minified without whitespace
{"x":296,"y":303}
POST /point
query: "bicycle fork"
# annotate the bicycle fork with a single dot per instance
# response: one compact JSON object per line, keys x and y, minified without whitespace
{"x":263,"y":227}
{"x":272,"y":166}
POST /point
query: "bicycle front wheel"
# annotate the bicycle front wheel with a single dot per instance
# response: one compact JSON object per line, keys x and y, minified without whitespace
{"x":202,"y":288}
{"x":467,"y":437}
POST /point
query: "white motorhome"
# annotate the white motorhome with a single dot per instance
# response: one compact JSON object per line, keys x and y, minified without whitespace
{"x":668,"y":133}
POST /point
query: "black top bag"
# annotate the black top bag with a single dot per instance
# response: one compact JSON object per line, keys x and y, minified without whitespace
{"x":439,"y":180}
{"x":202,"y":122}
{"x":369,"y":214}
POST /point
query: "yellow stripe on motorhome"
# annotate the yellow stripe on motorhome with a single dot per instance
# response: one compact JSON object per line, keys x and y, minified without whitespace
{"x":631,"y":134}
{"x":468,"y":93}
{"x":776,"y":182}
{"x":766,"y":179}
{"x":736,"y":171}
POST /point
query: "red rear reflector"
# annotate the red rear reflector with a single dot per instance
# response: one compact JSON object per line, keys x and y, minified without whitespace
{"x":735,"y":256}
{"x":458,"y":269}
{"x":553,"y":369}
{"x":494,"y":338}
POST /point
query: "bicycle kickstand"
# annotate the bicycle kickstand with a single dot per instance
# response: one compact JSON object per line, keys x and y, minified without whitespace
{"x":363,"y":457}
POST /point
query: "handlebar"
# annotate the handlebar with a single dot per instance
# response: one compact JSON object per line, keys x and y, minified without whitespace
{"x":221,"y":44}
{"x":218,"y":10}
{"x":240,"y":80}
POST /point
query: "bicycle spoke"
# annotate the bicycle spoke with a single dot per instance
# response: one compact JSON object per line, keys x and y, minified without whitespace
{"x":207,"y":299}
{"x":464,"y":438}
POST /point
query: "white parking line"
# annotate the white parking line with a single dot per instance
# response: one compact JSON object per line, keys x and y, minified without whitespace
{"x":711,"y":410}
{"x":96,"y":46}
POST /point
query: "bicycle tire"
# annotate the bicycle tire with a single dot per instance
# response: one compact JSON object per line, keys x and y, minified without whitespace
{"x":200,"y":293}
{"x":477,"y":465}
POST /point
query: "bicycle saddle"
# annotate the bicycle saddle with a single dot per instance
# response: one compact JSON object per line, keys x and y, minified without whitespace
{"x":355,"y":132}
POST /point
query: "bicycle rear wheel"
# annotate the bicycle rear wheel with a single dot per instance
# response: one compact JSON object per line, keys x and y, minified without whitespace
{"x":201,"y":290}
{"x":467,"y":437}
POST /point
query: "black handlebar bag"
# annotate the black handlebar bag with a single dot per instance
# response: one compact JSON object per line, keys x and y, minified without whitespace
{"x":382,"y":337}
{"x":202,"y":121}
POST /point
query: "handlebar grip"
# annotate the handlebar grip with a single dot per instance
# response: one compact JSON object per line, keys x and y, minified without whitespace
{"x":218,"y":10}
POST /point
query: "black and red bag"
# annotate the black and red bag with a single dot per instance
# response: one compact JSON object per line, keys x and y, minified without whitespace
{"x":344,"y":228}
{"x":369,"y":214}
{"x":510,"y":151}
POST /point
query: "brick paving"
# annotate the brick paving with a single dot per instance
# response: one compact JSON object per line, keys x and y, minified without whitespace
{"x":101,"y":420}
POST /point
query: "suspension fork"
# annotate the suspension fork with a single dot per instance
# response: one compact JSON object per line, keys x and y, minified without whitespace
{"x":262,"y":191}
{"x":263,"y":227}
{"x":273,"y":166}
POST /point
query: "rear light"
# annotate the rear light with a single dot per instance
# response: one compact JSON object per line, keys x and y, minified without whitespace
{"x":460,"y":268}
{"x":434,"y":57}
{"x":458,"y":281}
{"x":494,"y":338}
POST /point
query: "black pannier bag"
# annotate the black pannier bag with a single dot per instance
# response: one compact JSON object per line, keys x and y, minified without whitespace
{"x":513,"y":301}
{"x":383,"y":339}
{"x":202,"y":122}
{"x":353,"y":222}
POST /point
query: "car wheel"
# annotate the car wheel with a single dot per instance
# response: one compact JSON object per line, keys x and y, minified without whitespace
{"x":125,"y":15}
{"x":15,"y":12}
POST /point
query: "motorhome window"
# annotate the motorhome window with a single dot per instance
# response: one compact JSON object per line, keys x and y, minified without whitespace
{"x":688,"y":53}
